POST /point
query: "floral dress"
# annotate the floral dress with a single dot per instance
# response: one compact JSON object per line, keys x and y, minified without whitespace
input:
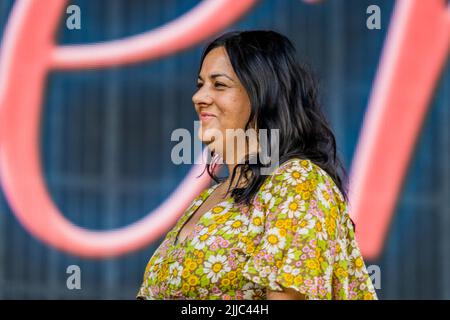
{"x":296,"y":233}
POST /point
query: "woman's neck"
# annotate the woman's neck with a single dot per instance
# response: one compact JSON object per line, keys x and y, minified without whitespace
{"x":236,"y":181}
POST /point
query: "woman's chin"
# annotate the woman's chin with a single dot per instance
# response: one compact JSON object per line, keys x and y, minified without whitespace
{"x":206,"y":138}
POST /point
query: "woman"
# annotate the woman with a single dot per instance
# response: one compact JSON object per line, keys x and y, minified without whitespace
{"x":287,"y":235}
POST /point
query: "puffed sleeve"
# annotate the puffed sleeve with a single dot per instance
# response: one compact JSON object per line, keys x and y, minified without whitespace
{"x":305,"y":239}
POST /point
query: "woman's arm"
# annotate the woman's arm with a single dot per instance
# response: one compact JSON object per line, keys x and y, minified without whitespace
{"x":286,"y":294}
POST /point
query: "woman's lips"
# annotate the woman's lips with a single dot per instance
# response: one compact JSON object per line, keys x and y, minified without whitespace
{"x":204,"y":116}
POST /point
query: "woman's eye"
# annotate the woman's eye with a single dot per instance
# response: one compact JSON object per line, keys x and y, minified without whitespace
{"x":216,"y":84}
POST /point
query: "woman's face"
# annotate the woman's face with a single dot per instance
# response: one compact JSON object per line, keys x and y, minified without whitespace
{"x":221,"y":102}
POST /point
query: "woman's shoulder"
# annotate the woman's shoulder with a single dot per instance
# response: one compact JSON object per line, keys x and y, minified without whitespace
{"x":301,"y":175}
{"x":297,"y":170}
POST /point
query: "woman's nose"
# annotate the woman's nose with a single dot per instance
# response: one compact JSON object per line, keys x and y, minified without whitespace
{"x":202,"y":96}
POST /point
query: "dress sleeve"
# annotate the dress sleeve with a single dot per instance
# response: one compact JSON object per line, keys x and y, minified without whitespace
{"x":303,"y":221}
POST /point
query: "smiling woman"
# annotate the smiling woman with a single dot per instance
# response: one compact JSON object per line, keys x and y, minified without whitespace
{"x":286,"y":235}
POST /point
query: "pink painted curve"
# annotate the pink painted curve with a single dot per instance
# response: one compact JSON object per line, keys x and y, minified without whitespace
{"x":414,"y":55}
{"x":26,"y":56}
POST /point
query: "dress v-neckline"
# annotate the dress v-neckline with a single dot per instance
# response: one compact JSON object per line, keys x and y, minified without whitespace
{"x":191,"y":213}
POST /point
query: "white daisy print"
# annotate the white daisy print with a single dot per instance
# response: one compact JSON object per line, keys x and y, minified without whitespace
{"x":268,"y":199}
{"x":256,"y":224}
{"x":358,"y":264}
{"x":293,"y":207}
{"x":175,"y":270}
{"x":274,"y":242}
{"x":305,"y":224}
{"x":215,"y":267}
{"x":321,"y":232}
{"x":203,"y":239}
{"x":222,"y":208}
{"x":339,"y":250}
{"x":307,"y":165}
{"x":236,"y":226}
{"x":322,"y":195}
{"x":295,"y":175}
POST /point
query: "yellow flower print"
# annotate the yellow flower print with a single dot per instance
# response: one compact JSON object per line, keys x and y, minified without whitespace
{"x":222,"y":208}
{"x":296,"y":174}
{"x":153,"y":264}
{"x":212,"y":227}
{"x":321,"y":233}
{"x":244,"y":239}
{"x":334,"y":212}
{"x":341,"y":273}
{"x":288,"y":223}
{"x":225,"y":282}
{"x":358,"y":263}
{"x":368,"y":296}
{"x":185,"y":273}
{"x":339,"y":253}
{"x":204,"y":237}
{"x":221,"y":220}
{"x":256,"y":224}
{"x":164,"y":273}
{"x":279,"y":223}
{"x":306,"y":164}
{"x":306,"y":195}
{"x":312,"y":264}
{"x":217,"y":209}
{"x":231,"y":275}
{"x":192,"y":266}
{"x":298,"y":280}
{"x":312,"y":184}
{"x":193,"y":280}
{"x":330,"y":225}
{"x":257,"y":221}
{"x":157,"y":263}
{"x":187,"y":262}
{"x":185,"y":288}
{"x":318,"y":226}
{"x":289,"y":278}
{"x":302,"y":245}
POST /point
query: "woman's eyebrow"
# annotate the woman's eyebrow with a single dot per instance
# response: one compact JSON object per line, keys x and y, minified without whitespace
{"x":215,"y":75}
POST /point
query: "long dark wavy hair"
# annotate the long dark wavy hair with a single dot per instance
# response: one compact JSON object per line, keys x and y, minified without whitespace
{"x":283,"y":95}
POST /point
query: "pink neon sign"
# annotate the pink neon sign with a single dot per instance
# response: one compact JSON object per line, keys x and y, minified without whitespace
{"x":419,"y":30}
